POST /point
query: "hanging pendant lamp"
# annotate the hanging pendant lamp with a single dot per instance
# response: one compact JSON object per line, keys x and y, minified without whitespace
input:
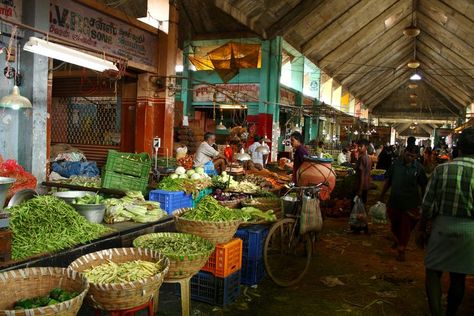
{"x":412,"y":86}
{"x":413,"y":63}
{"x":412,"y":30}
{"x":243,"y":156}
{"x":15,"y":101}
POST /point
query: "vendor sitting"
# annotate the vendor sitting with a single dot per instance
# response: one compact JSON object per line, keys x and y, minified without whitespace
{"x":257,"y":157}
{"x":206,"y":155}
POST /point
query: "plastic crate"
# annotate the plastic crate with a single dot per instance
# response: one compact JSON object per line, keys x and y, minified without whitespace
{"x":253,"y":271}
{"x":253,"y":238}
{"x":113,"y":180}
{"x":207,"y":288}
{"x":121,"y":162}
{"x":170,"y":201}
{"x":201,"y":194}
{"x":226,"y":259}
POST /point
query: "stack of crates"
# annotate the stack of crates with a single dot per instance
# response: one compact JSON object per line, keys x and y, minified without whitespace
{"x":171,"y":201}
{"x":218,"y":283}
{"x":126,"y":171}
{"x":253,"y":267}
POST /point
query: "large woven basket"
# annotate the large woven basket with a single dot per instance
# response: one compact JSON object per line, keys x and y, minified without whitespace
{"x":231,"y":203}
{"x":180,"y":266}
{"x":34,"y":282}
{"x":215,"y":232}
{"x":263,"y":203}
{"x":120,"y":296}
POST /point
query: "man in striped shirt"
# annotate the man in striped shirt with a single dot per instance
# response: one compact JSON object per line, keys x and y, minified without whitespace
{"x":449,"y":205}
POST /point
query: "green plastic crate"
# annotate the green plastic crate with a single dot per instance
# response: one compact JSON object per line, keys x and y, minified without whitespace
{"x":201,"y":194}
{"x":125,"y":163}
{"x":113,"y":180}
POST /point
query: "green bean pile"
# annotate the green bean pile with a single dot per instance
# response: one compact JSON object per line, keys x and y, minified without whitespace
{"x":47,"y":224}
{"x":208,"y":209}
{"x":130,"y":271}
{"x":175,"y":246}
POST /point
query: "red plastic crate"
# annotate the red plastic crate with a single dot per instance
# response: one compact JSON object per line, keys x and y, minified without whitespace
{"x":226,"y":259}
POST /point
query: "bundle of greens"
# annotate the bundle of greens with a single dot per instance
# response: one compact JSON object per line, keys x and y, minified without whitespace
{"x":54,"y":297}
{"x":189,"y":186}
{"x":208,"y":209}
{"x":132,"y":207}
{"x":89,"y":199}
{"x":47,"y":224}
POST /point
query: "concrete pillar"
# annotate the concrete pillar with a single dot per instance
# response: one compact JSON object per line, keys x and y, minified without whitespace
{"x":33,"y":135}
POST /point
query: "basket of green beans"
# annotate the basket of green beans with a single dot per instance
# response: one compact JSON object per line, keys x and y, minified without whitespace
{"x":209,"y":220}
{"x":122,"y":278}
{"x":187,"y":253}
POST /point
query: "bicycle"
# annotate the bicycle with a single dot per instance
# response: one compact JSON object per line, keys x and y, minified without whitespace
{"x":287,"y":254}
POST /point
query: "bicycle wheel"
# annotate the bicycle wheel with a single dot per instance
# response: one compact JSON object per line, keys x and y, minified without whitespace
{"x":286,"y":254}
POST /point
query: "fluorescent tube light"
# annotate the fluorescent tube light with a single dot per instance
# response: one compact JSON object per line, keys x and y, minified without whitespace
{"x":67,"y":54}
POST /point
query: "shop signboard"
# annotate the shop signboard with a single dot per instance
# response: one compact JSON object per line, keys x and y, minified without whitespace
{"x":287,"y":97}
{"x":346,"y":121}
{"x":307,"y":102}
{"x":226,"y":92}
{"x":85,"y":26}
{"x":11,"y":10}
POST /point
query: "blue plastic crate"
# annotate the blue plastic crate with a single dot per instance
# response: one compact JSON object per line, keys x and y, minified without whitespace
{"x":253,"y":238}
{"x":378,"y":177}
{"x":205,"y":287}
{"x":253,"y":271}
{"x":171,"y":201}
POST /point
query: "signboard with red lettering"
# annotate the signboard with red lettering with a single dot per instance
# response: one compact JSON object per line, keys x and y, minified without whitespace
{"x":346,"y":121}
{"x":81,"y":24}
{"x":230,"y":93}
{"x":11,"y":10}
{"x":287,"y":97}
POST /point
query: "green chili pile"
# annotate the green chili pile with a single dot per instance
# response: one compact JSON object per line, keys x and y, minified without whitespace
{"x":175,"y":246}
{"x":208,"y":209}
{"x":130,"y":271}
{"x":47,"y":224}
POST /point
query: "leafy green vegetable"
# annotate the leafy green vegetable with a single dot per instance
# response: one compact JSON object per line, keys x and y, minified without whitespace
{"x":208,"y":209}
{"x":257,"y":214}
{"x":55,"y":296}
{"x":47,"y":224}
{"x":89,"y":199}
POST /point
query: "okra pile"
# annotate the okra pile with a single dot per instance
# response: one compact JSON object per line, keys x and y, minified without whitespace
{"x":111,"y":272}
{"x":47,"y":224}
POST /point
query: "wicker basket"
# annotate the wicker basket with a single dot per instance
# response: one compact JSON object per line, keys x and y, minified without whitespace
{"x":120,"y":296}
{"x":180,"y":266}
{"x":34,"y":282}
{"x":215,"y":232}
{"x":231,"y":203}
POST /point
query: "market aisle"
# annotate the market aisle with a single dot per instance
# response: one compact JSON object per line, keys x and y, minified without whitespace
{"x":362,"y":278}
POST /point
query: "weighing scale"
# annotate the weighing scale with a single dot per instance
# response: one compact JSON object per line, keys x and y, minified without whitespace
{"x":160,"y":170}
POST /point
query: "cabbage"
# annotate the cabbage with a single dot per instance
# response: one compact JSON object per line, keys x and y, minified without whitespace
{"x":200,"y":170}
{"x":183,"y":176}
{"x":190,"y":172}
{"x":174,"y":176}
{"x":180,"y":171}
{"x":196,"y":176}
{"x":224,"y":173}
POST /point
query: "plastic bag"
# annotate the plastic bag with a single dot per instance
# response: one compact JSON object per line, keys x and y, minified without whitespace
{"x":24,"y":180}
{"x":378,"y":213}
{"x":311,"y":218}
{"x":181,"y":152}
{"x":358,"y":217}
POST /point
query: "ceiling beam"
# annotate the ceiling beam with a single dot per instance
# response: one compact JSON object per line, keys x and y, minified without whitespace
{"x":451,"y":81}
{"x":296,"y":14}
{"x":400,"y":46}
{"x":345,"y":26}
{"x":407,"y":117}
{"x":444,"y":91}
{"x":456,"y":23}
{"x":426,"y":128}
{"x":402,"y":127}
{"x":395,"y":62}
{"x":360,"y":40}
{"x":465,"y":7}
{"x":373,"y":101}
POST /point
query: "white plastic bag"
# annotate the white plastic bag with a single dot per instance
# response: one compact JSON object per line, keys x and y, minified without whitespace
{"x":379,"y":213}
{"x":358,"y":217}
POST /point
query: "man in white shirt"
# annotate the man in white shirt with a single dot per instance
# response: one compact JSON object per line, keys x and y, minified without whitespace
{"x":257,"y":158}
{"x":206,"y":154}
{"x":342,"y":157}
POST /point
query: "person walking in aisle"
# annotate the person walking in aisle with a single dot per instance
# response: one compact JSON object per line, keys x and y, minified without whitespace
{"x":449,"y":204}
{"x":408,"y":180}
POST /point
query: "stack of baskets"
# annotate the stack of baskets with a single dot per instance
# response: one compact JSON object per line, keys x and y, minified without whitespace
{"x":34,"y":282}
{"x":190,"y":137}
{"x":126,"y":171}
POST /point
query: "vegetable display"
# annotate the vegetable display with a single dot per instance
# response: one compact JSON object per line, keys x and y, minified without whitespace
{"x":47,"y":224}
{"x":92,"y":182}
{"x":54,"y":297}
{"x":220,"y":195}
{"x":191,"y":182}
{"x":255,"y":214}
{"x":130,"y":271}
{"x":243,"y":186}
{"x":132,"y":207}
{"x":175,"y":246}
